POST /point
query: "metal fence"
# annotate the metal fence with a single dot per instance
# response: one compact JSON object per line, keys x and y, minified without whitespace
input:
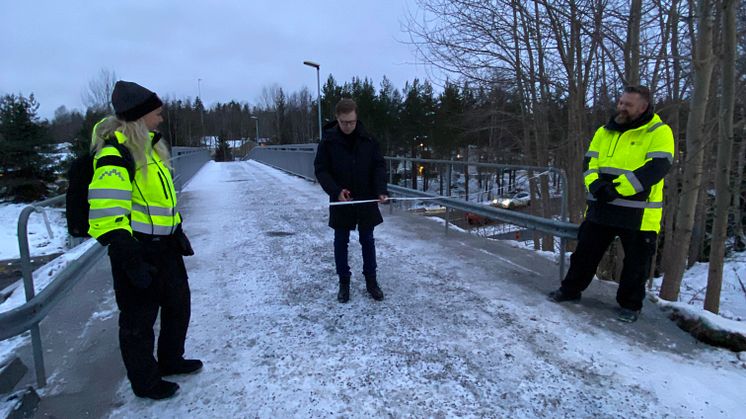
{"x":186,"y":162}
{"x":408,"y":175}
{"x":296,"y":159}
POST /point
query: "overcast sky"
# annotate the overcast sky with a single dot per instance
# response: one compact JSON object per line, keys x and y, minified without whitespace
{"x":55,"y":48}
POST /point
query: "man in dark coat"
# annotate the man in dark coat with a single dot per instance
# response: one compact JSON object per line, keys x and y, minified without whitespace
{"x":349,"y":166}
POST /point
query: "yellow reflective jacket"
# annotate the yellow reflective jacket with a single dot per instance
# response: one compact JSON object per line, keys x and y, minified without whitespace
{"x":146,"y":205}
{"x":636,"y":161}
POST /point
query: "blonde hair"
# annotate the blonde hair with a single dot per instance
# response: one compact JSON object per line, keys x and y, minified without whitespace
{"x":138,"y":140}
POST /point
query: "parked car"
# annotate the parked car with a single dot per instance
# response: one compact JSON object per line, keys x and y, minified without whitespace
{"x":520,"y":199}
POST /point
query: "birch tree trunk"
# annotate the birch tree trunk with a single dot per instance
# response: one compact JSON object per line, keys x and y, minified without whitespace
{"x":703,"y":65}
{"x":722,"y":181}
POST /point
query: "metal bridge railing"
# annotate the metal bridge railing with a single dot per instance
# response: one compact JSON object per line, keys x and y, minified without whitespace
{"x":298,"y":160}
{"x":186,"y":162}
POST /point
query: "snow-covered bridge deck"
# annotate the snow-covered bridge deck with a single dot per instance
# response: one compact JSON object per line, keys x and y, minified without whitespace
{"x":465,"y":329}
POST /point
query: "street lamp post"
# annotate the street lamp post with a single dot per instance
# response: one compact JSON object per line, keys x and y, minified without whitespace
{"x":318,"y":90}
{"x":256,"y":120}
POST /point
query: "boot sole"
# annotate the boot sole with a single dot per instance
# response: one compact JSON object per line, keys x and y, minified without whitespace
{"x":171,"y":374}
{"x":563,"y":300}
{"x":166,"y":397}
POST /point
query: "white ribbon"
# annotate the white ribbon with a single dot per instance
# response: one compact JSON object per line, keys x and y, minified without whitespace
{"x":365,"y":201}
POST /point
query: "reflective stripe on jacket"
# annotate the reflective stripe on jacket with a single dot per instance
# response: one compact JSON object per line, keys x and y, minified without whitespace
{"x":636,"y":161}
{"x":146,"y":205}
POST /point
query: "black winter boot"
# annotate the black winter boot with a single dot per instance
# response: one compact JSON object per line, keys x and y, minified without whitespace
{"x":161,"y":390}
{"x":372,"y":286}
{"x":558,"y":296}
{"x":184,"y":366}
{"x":343,"y":295}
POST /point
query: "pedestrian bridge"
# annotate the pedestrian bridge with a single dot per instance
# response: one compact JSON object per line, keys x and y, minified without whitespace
{"x":464,"y":330}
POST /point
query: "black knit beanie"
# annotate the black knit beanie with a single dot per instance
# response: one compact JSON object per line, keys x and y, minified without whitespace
{"x":132,"y":101}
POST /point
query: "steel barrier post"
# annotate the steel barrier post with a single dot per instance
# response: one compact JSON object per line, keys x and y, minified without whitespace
{"x":28,"y":285}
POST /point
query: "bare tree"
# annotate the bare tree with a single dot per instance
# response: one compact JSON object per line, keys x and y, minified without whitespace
{"x":632,"y":48}
{"x":490,"y":44}
{"x":692,"y":181}
{"x":722,"y":183}
{"x":98,"y":95}
{"x":673,"y":83}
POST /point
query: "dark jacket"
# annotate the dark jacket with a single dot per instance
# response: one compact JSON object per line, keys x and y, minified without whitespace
{"x":353,"y":162}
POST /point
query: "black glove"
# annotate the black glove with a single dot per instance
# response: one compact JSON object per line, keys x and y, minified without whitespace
{"x":182,"y":242}
{"x":126,"y":254}
{"x":603,"y":191}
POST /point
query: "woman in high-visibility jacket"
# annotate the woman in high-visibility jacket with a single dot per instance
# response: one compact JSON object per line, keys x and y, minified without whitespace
{"x":133,"y":211}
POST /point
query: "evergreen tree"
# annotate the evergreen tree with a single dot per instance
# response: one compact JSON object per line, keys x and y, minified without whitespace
{"x":65,"y":125}
{"x":448,"y":130}
{"x":281,"y":127}
{"x":82,"y":142}
{"x":386,"y":115}
{"x":418,"y":112}
{"x":331,"y":94}
{"x":364,"y":94}
{"x":223,"y":149}
{"x":23,"y":140}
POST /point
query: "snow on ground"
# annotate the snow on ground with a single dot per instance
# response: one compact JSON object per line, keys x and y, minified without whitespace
{"x":452,"y":338}
{"x":693,"y":284}
{"x":40,"y":242}
{"x":733,"y":292}
{"x":45,"y":274}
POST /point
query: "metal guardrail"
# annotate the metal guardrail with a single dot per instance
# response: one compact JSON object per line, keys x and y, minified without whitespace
{"x":186,"y":162}
{"x":563,"y":230}
{"x":298,"y":160}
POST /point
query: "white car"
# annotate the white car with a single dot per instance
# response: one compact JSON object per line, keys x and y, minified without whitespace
{"x":521,"y":199}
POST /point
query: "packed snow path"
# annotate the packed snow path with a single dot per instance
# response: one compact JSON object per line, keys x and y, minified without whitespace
{"x":465,"y":329}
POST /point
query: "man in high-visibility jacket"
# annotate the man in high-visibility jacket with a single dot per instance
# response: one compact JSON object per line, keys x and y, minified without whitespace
{"x":624,"y":170}
{"x":133,"y":211}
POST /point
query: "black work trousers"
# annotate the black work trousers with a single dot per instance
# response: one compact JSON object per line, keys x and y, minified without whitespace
{"x":593,"y":240}
{"x":138,"y":310}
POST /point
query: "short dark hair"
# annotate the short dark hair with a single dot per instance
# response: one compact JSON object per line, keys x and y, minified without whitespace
{"x":643,"y":91}
{"x":346,"y":105}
